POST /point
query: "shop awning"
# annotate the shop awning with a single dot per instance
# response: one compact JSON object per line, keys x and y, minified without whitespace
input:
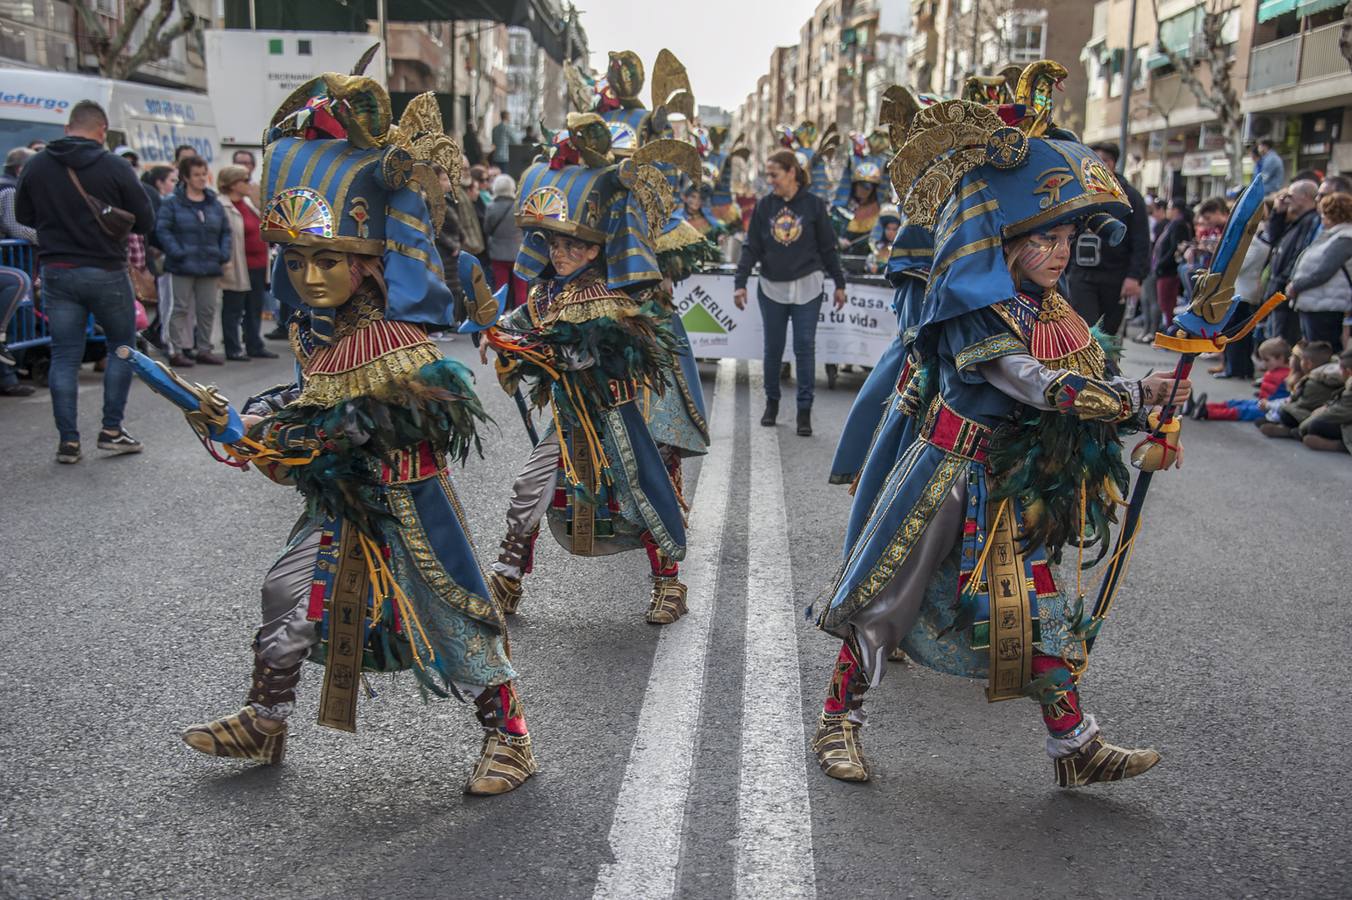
{"x":1156,"y":61}
{"x":1271,"y":9}
{"x":1310,"y":7}
{"x":546,"y":20}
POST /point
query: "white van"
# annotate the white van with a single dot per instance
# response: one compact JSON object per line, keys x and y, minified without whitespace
{"x":151,"y":120}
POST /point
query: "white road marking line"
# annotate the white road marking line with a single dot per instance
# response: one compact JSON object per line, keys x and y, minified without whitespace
{"x":645,"y":833}
{"x":774,"y":815}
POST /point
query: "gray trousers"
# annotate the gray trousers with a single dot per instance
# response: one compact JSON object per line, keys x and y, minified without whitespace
{"x":194,"y":314}
{"x":531,"y":494}
{"x":881,"y":626}
{"x":286,"y":635}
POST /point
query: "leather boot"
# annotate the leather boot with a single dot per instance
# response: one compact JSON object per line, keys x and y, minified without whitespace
{"x":506,"y":760}
{"x":518,"y":552}
{"x":668,"y":600}
{"x":1099,"y":760}
{"x":243,"y":735}
{"x":805,"y":422}
{"x":771,"y":413}
{"x":836,"y":743}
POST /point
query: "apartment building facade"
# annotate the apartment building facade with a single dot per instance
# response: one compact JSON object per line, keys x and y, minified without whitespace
{"x":1292,"y":84}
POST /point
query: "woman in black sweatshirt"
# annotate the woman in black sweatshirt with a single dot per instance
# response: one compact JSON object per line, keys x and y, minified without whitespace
{"x":792,"y":239}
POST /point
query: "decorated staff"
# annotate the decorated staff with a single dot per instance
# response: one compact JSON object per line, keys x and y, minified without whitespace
{"x":1207,"y":327}
{"x":379,"y":574}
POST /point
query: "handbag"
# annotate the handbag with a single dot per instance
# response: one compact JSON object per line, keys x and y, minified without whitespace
{"x":145,"y":285}
{"x":112,"y":220}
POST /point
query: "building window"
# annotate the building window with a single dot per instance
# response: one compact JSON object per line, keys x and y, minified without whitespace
{"x":1028,"y":42}
{"x":303,"y":47}
{"x":276,"y":47}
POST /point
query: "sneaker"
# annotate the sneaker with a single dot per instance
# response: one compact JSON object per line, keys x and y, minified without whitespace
{"x":16,"y":390}
{"x":262,"y":354}
{"x":237,"y":357}
{"x":119,"y":442}
{"x":5,"y":356}
{"x":68,"y":452}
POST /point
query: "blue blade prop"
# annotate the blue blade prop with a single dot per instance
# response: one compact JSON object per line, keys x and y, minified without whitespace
{"x":209,"y":414}
{"x":472,"y":279}
{"x":1213,"y":294}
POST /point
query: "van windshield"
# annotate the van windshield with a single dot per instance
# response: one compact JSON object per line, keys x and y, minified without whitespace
{"x":14,"y":133}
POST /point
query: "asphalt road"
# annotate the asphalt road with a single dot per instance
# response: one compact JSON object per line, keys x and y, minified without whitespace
{"x":673,"y":760}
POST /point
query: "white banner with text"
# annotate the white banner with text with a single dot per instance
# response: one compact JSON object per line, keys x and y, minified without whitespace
{"x":858,"y":333}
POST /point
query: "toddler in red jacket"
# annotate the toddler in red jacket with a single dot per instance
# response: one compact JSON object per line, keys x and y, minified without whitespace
{"x":1273,"y":357}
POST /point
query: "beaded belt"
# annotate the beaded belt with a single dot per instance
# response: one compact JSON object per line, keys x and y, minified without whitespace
{"x":951,"y":432}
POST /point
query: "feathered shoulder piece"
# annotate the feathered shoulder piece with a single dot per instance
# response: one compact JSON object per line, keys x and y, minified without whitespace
{"x":588,"y":298}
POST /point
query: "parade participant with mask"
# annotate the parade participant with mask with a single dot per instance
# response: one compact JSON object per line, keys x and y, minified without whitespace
{"x":379,"y":574}
{"x":590,"y":349}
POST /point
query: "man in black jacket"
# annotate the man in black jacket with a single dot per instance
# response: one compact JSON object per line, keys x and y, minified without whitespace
{"x":1104,"y":278}
{"x":83,"y":269}
{"x":1291,"y":226}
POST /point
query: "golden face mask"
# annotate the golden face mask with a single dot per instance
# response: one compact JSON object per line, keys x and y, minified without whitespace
{"x":321,"y":276}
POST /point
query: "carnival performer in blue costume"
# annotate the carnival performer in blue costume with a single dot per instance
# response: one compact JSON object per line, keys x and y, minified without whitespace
{"x":593,"y":350}
{"x":856,"y":218}
{"x":875,"y":148}
{"x":1017,"y":454}
{"x":874,"y":418}
{"x":379,"y":573}
{"x":676,"y":414}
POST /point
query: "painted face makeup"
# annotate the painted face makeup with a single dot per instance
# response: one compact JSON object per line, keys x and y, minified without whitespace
{"x":322,"y":277}
{"x":1043,"y":257}
{"x":569,"y":254}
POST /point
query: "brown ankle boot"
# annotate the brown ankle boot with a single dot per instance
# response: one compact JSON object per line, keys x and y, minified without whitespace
{"x":243,"y":735}
{"x":506,"y":760}
{"x":668,"y":600}
{"x":1099,"y":760}
{"x":518,"y":551}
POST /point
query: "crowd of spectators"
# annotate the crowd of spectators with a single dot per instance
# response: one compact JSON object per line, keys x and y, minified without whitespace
{"x":1301,"y":369}
{"x":192,"y":265}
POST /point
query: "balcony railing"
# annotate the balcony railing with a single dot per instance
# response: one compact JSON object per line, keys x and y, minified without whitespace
{"x":1274,"y":65}
{"x":1308,"y":56}
{"x":1320,"y":57}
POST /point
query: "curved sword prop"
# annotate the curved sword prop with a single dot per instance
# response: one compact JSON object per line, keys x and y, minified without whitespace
{"x":1205,"y":328}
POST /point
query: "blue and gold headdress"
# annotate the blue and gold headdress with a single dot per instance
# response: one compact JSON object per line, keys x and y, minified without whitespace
{"x":581,"y":191}
{"x":976,"y":177}
{"x":337,"y":173}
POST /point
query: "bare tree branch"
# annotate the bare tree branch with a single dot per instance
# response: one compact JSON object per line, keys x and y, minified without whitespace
{"x":1220,"y":97}
{"x":159,"y":39}
{"x":132,"y":11}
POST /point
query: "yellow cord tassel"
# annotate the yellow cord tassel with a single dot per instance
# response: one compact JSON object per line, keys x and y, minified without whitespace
{"x":383,"y":585}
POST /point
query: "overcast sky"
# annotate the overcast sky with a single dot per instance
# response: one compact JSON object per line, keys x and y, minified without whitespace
{"x":725,"y":44}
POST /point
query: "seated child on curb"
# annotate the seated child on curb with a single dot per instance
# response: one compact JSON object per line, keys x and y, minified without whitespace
{"x":1318,"y":382}
{"x":1272,"y":358}
{"x":1330,"y":426}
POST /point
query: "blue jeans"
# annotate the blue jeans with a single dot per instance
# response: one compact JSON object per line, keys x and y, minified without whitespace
{"x":69,"y":296}
{"x":775,"y":318}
